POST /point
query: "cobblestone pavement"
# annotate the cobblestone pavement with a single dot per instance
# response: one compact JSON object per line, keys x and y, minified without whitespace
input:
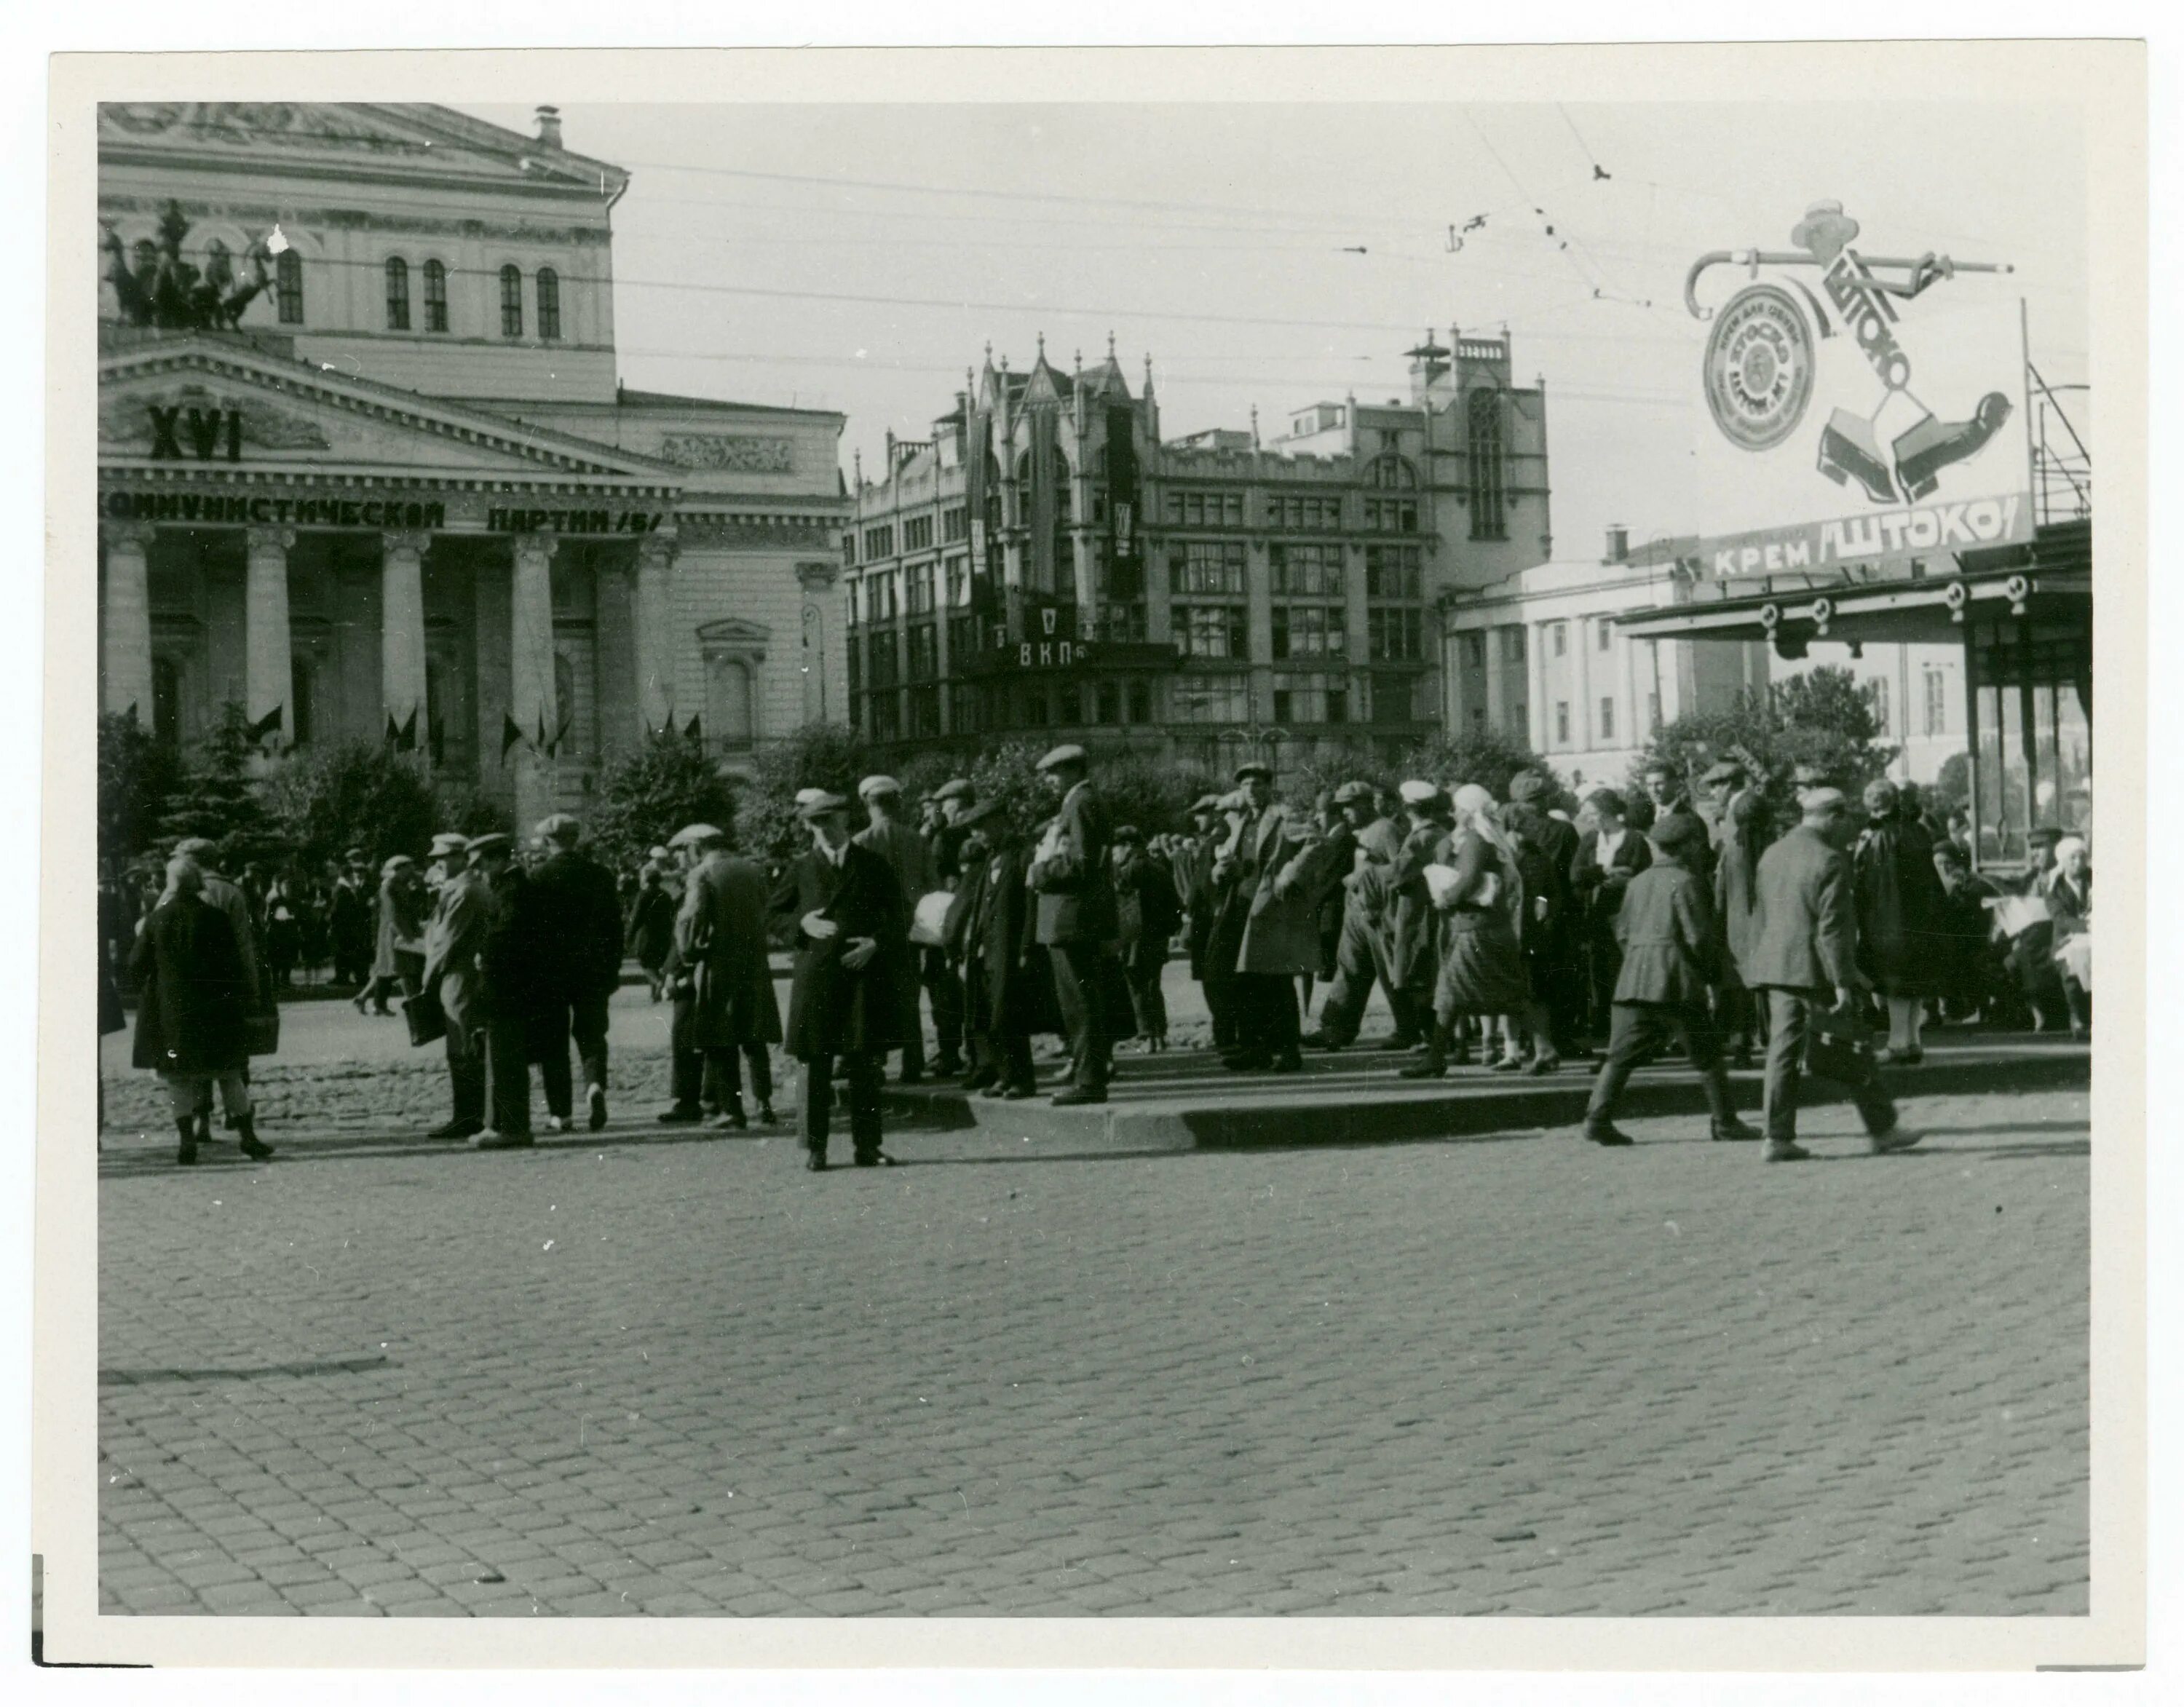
{"x":656,"y":1373}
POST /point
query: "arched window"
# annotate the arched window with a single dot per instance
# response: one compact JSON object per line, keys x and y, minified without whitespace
{"x":1392,"y":473}
{"x":436,"y":297}
{"x":288,"y":287}
{"x":398,"y":294}
{"x":511,"y":302}
{"x":1489,"y":499}
{"x":549,"y":305}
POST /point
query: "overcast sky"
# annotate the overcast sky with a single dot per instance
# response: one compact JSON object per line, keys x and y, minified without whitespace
{"x":859,"y":258}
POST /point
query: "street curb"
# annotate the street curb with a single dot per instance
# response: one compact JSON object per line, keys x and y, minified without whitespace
{"x":1468,"y":1108}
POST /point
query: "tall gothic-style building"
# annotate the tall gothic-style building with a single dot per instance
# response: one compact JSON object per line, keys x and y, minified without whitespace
{"x":366,"y":469}
{"x":1046,"y":564}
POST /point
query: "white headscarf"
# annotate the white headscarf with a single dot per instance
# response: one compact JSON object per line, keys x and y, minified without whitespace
{"x":1475,"y":806}
{"x":2064,"y":849}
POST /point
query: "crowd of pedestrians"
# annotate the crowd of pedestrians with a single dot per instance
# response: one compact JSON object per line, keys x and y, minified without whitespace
{"x":1514,"y":934}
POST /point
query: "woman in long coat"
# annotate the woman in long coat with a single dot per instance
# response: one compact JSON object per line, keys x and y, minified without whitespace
{"x":1482,"y":962}
{"x":721,"y":935}
{"x":1897,"y":929}
{"x":196,"y":992}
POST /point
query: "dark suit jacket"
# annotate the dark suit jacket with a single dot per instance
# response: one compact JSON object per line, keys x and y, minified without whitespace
{"x":1671,"y":949}
{"x":833,"y":1010}
{"x":1807,"y":922}
{"x":582,"y":911}
{"x":1600,"y":892}
{"x":721,"y":936}
{"x":1010,"y":991}
{"x":1076,"y":893}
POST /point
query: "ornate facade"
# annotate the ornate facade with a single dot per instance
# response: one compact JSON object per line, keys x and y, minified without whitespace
{"x":1046,"y":564}
{"x":366,"y":469}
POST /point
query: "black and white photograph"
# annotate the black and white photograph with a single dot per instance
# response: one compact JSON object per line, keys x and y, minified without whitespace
{"x":1133,"y":855}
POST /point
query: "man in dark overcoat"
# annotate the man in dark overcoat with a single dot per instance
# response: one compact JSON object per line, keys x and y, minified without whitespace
{"x":846,"y":1000}
{"x":453,"y":936}
{"x":910,"y":857}
{"x":1008,"y":990}
{"x":510,"y":959}
{"x":1201,"y":911}
{"x":194,"y":992}
{"x":1070,"y":875}
{"x":1609,"y":854}
{"x":1146,"y":915}
{"x":1805,"y":962}
{"x":1740,"y":836}
{"x":580,"y":968}
{"x":720,"y":943}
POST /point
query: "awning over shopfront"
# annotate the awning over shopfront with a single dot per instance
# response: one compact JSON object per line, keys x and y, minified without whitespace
{"x":2024,"y":615}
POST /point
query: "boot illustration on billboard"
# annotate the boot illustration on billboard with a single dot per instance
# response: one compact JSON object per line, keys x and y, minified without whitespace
{"x":1849,"y":452}
{"x":1932,"y":445}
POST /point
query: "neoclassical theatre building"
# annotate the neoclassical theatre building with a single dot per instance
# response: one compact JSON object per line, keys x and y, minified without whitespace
{"x":366,"y":469}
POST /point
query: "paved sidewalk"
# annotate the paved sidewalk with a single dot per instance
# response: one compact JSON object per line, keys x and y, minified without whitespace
{"x":665,"y":1375}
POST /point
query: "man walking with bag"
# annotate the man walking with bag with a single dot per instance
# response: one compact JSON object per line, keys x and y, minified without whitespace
{"x":1804,"y":964}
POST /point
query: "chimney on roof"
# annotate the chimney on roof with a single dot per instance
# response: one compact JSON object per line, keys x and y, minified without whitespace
{"x":549,"y":127}
{"x":1619,"y":543}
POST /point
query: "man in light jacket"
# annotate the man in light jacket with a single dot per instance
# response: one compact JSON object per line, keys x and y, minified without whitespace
{"x":1805,"y":962}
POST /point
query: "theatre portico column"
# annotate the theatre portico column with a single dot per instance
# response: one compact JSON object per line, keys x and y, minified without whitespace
{"x":530,"y":677}
{"x":402,"y":637}
{"x":655,"y":631}
{"x":128,"y":620}
{"x":269,"y":676}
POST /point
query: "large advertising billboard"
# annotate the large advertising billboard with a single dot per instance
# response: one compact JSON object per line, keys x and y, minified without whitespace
{"x":1859,"y":412}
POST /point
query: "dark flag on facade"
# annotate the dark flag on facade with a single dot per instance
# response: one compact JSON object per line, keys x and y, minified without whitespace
{"x":510,"y":732}
{"x":269,"y":723}
{"x":1125,"y":566}
{"x":1045,"y":452}
{"x":402,"y":737}
{"x":690,"y":730}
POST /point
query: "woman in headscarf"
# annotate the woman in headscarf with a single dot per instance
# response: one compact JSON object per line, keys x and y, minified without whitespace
{"x":1898,"y":938}
{"x":2070,"y":905}
{"x":1482,"y":963}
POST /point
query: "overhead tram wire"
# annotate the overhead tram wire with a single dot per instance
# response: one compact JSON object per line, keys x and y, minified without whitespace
{"x":1109,"y":314}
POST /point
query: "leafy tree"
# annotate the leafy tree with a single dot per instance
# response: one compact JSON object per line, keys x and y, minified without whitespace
{"x":819,"y":755}
{"x":136,"y":775}
{"x":1825,"y":720}
{"x":648,"y":795}
{"x":218,"y":798}
{"x":459,"y":807}
{"x":1952,"y":789}
{"x":1486,"y":757}
{"x":325,"y":801}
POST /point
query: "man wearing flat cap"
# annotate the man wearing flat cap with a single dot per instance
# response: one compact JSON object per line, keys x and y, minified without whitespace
{"x":1201,"y":912}
{"x":1740,"y":831}
{"x":1414,"y":930}
{"x":1361,"y":952}
{"x":1008,"y":990}
{"x":1146,"y":914}
{"x":512,"y":956}
{"x":580,"y":915}
{"x":725,"y":1013}
{"x":1277,"y":866}
{"x":845,"y":1003}
{"x":910,"y":859}
{"x":1075,"y":920}
{"x":1805,"y":965}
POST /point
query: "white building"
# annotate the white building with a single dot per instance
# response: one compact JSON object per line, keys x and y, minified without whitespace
{"x":1540,"y":655}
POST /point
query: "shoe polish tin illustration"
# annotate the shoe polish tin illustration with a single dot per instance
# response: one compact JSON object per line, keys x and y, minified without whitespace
{"x":1863,"y":411}
{"x":1760,"y":367}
